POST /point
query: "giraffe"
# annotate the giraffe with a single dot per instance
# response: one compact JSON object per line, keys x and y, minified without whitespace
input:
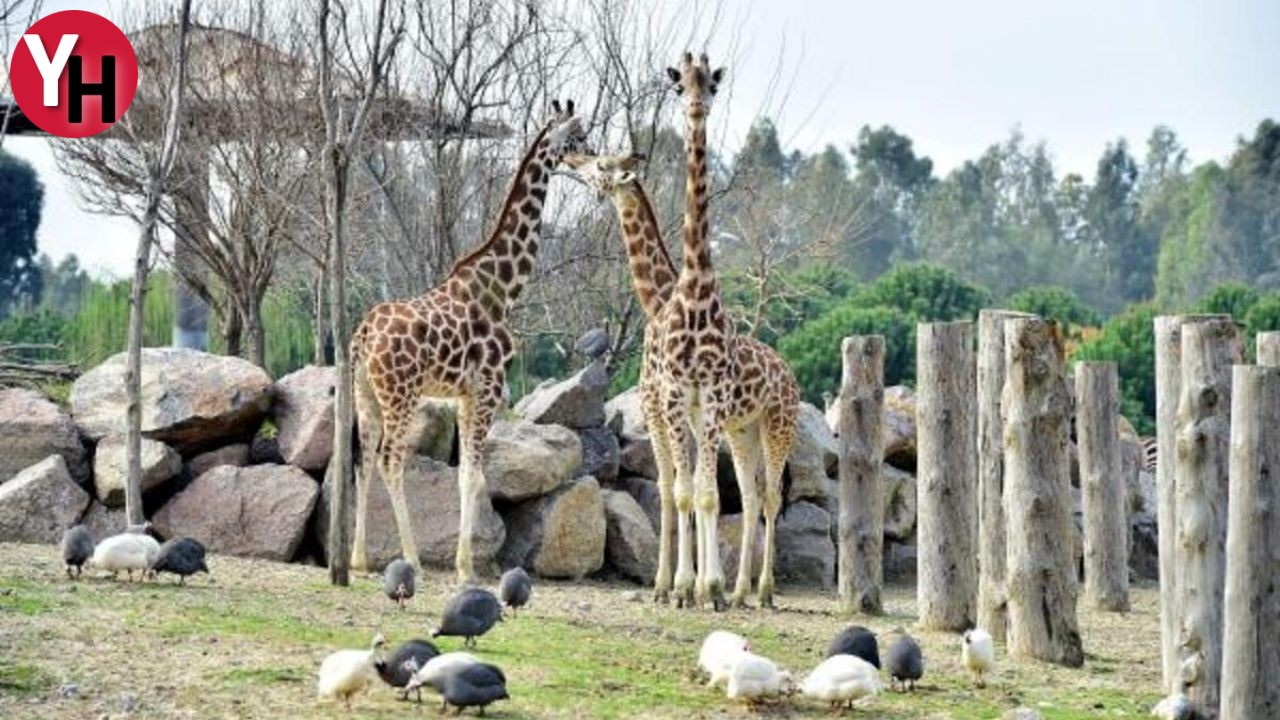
{"x":765,"y":400}
{"x":452,"y":342}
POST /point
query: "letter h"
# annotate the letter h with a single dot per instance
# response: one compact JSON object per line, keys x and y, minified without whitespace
{"x":78,"y":89}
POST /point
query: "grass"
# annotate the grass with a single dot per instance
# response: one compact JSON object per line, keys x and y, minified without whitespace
{"x":246,"y":643}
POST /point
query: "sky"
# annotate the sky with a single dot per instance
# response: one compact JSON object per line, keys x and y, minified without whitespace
{"x":954,"y":76}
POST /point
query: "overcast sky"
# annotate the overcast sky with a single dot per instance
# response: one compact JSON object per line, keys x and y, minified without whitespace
{"x":955,"y":76}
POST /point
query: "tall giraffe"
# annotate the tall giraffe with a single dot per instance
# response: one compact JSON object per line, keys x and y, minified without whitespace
{"x":452,"y":342}
{"x":765,"y":400}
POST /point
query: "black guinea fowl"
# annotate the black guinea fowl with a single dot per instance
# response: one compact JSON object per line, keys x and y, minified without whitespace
{"x":406,"y":660}
{"x":77,"y":548}
{"x":475,"y":686}
{"x":857,"y":641}
{"x":515,"y":588}
{"x":470,"y":614}
{"x":182,"y":557}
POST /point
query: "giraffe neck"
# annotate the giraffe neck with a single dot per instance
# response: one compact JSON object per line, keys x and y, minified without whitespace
{"x":653,"y":274}
{"x":696,"y":267}
{"x":494,"y":274}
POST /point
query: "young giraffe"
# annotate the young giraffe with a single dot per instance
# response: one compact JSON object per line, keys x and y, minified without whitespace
{"x":765,"y":402}
{"x":452,"y":342}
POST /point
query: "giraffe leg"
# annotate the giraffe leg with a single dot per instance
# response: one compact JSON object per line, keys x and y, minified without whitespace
{"x":777,"y":439}
{"x":391,"y":458}
{"x":369,"y":422}
{"x":678,"y":444}
{"x":475,"y":415}
{"x":746,"y":459}
{"x":655,"y":422}
{"x":710,"y":584}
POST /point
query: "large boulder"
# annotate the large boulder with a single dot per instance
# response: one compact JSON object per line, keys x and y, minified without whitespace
{"x":560,"y":535}
{"x":646,"y":493}
{"x":805,"y":553}
{"x":431,"y":493}
{"x":303,"y":413}
{"x":31,"y":429}
{"x":600,"y":454}
{"x":40,"y":502}
{"x":435,"y":428}
{"x":523,"y":460}
{"x":815,"y":455}
{"x":191,"y":400}
{"x":898,"y":427}
{"x":636,"y":456}
{"x":103,"y":521}
{"x":160,"y":463}
{"x":260,"y":511}
{"x":729,"y":535}
{"x":624,"y":414}
{"x":898,"y":489}
{"x":631,"y":545}
{"x":576,"y":403}
{"x":1144,"y":546}
{"x":236,"y":455}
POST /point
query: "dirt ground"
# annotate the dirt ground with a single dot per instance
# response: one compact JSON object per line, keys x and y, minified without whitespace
{"x":246,"y":642}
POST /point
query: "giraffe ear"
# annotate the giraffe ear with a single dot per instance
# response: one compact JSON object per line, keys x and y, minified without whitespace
{"x":568,"y":106}
{"x":717,"y":75}
{"x":674,"y":74}
{"x":555,"y":107}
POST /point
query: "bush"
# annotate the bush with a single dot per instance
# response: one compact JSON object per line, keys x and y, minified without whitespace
{"x":1053,"y":303}
{"x":1128,"y":339}
{"x":1264,"y":316}
{"x":926,"y":293}
{"x":813,"y":350}
{"x":1234,"y":299}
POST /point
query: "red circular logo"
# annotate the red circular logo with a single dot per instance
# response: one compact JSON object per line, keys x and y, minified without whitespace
{"x":73,"y":73}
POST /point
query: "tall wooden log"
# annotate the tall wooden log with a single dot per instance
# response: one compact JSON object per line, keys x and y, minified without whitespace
{"x":992,"y":606}
{"x":1251,"y":648}
{"x":1209,"y":348}
{"x":1103,"y":488}
{"x":947,"y":507}
{"x":1041,"y":573}
{"x":861,"y":572}
{"x":1269,"y":349}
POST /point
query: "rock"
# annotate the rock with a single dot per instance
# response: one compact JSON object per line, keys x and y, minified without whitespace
{"x":646,"y":493}
{"x":1144,"y":546}
{"x":899,"y":494}
{"x":259,"y":512}
{"x":264,"y":450}
{"x":600,"y":454}
{"x":636,"y":456}
{"x":805,"y":553}
{"x":1022,"y":713}
{"x":900,"y":560}
{"x":234,"y":455}
{"x":815,"y":455}
{"x":899,"y":427}
{"x":303,"y":413}
{"x":1146,"y":499}
{"x":560,"y":535}
{"x":631,"y":546}
{"x":436,"y":429}
{"x":576,"y":403}
{"x":523,"y":460}
{"x":624,"y":414}
{"x":431,"y":492}
{"x":69,"y":691}
{"x":191,"y":400}
{"x":160,"y":463}
{"x":103,"y":521}
{"x":730,"y":538}
{"x":32,"y":428}
{"x":40,"y":502}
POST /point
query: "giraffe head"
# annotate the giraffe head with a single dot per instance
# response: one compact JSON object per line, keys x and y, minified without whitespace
{"x":697,"y":83}
{"x":605,"y":173}
{"x":565,"y":133}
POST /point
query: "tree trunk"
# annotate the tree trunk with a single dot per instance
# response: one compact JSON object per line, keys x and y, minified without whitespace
{"x":232,"y":330}
{"x":257,"y":333}
{"x":1251,"y":648}
{"x":340,"y":464}
{"x":1209,"y":348}
{"x":1269,"y":349}
{"x":861,"y":572}
{"x":947,"y":509}
{"x":1041,"y":573}
{"x":1103,"y":488}
{"x":992,"y":605}
{"x":320,"y":329}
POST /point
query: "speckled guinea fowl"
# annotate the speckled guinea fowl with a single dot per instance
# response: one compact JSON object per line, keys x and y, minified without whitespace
{"x":398,"y":581}
{"x":515,"y":588}
{"x":904,"y":660}
{"x":182,"y":557}
{"x":475,"y":686}
{"x":406,"y":660}
{"x":470,"y":614}
{"x":77,"y":548}
{"x":857,"y":641}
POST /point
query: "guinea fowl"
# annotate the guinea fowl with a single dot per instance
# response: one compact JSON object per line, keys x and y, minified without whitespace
{"x":904,"y":660}
{"x":515,"y":588}
{"x":857,"y":641}
{"x":978,"y":654}
{"x":406,"y":660}
{"x":432,"y":674}
{"x":182,"y":557}
{"x":126,"y":551}
{"x":398,"y":581}
{"x":842,"y":678}
{"x":470,"y":614}
{"x":77,"y":548}
{"x":475,"y":686}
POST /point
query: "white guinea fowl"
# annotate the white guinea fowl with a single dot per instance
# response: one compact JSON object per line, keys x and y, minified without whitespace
{"x":719,"y":652}
{"x":1174,"y":707}
{"x":433,"y":673}
{"x":842,"y":678}
{"x":347,"y":673}
{"x":127,"y":551}
{"x":978,"y":654}
{"x":754,"y":679}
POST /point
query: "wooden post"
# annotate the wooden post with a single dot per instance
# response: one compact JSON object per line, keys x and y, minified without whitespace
{"x":1103,"y":489}
{"x":1251,"y":648}
{"x":1041,"y":573}
{"x":861,"y":453}
{"x":1209,"y":348}
{"x":992,"y":607}
{"x":947,"y":507}
{"x":1269,"y":349}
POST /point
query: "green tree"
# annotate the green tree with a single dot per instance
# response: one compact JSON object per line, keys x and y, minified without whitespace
{"x":1126,"y":255}
{"x":1247,"y":244}
{"x":1232,"y":298}
{"x":890,"y":181}
{"x":1054,"y":303}
{"x":1264,"y":316}
{"x":1128,"y":339}
{"x":21,"y":201}
{"x":813,"y":350}
{"x":926,"y":293}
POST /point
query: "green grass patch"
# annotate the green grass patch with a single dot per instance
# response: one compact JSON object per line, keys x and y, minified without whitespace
{"x":20,"y":679}
{"x":263,"y":676}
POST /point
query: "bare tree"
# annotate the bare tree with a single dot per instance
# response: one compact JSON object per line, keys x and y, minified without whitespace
{"x":349,"y":85}
{"x":15,"y":16}
{"x":159,"y":168}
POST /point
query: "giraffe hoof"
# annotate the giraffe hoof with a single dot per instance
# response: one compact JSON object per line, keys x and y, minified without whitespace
{"x":738,"y":602}
{"x":661,"y":596}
